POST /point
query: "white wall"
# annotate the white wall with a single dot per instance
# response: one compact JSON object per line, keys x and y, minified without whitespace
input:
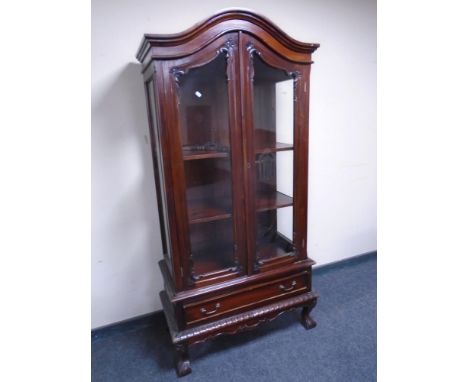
{"x":342,"y":189}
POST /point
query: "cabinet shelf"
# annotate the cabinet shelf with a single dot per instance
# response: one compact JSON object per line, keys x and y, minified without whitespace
{"x":278,"y":147}
{"x":202,"y":211}
{"x":269,"y":251}
{"x":196,"y":155}
{"x":212,"y":260}
{"x":268,"y":201}
{"x":276,"y":250}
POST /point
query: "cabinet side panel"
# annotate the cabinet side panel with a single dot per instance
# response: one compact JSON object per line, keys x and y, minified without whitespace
{"x":301,"y":142}
{"x":158,"y":168}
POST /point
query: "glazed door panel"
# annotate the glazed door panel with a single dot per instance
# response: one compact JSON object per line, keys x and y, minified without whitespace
{"x":274,"y":125}
{"x":209,"y":148}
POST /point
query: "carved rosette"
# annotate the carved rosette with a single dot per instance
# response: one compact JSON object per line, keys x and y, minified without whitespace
{"x":177,"y":72}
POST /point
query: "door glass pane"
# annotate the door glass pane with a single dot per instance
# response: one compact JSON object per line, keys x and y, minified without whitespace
{"x":203,"y":106}
{"x":273,"y":105}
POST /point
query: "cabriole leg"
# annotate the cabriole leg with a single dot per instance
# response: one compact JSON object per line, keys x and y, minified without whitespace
{"x":183,"y":362}
{"x":306,"y":320}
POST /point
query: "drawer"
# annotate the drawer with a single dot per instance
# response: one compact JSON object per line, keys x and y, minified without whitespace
{"x":249,"y":297}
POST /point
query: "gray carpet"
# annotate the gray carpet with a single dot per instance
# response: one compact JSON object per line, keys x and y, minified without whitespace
{"x":341,"y":348}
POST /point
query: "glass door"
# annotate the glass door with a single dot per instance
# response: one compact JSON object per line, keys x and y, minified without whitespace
{"x":209,"y":149}
{"x":273,"y":124}
{"x":272,"y":156}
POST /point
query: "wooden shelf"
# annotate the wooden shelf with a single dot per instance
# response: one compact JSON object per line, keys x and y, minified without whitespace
{"x":278,"y":147}
{"x":269,"y":201}
{"x":270,"y":250}
{"x":196,"y":155}
{"x":273,"y":251}
{"x":202,"y":211}
{"x":212,"y":261}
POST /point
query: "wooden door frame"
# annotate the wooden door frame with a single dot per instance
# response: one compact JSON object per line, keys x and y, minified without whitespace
{"x":227,"y":44}
{"x":249,"y":46}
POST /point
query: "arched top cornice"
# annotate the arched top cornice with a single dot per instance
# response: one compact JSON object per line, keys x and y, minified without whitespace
{"x":232,"y":20}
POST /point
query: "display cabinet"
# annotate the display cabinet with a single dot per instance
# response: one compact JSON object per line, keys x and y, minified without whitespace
{"x":228,"y":116}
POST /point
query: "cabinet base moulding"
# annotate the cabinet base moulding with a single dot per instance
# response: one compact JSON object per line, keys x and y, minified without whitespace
{"x":182,"y":339}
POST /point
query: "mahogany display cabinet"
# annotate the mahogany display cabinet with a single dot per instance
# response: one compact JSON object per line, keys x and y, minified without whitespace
{"x":228,"y":112}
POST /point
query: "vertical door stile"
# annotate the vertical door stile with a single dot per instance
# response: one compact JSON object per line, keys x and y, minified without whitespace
{"x":245,"y":103}
{"x":178,"y":180}
{"x":305,"y":151}
{"x":236,"y":153}
{"x":301,"y":133}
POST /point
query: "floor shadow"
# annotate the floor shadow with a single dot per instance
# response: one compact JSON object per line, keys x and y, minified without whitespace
{"x":160,"y":345}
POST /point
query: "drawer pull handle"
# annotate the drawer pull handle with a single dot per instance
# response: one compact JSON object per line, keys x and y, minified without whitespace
{"x":208,"y":312}
{"x":287,"y":289}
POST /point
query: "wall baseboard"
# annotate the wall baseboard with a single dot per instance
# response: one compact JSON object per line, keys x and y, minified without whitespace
{"x":345,"y":262}
{"x":134,"y":323}
{"x":157,"y":317}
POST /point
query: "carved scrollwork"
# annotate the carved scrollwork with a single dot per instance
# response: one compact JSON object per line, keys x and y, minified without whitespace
{"x":243,"y":321}
{"x":227,"y":49}
{"x":295,"y":74}
{"x":193,"y":277}
{"x":237,"y":266}
{"x":251,"y":49}
{"x":177,"y":73}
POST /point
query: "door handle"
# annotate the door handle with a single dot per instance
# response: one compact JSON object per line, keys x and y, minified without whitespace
{"x":208,"y":312}
{"x":287,"y":289}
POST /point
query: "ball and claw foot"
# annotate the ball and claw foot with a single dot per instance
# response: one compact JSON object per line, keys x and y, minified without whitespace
{"x":183,"y":362}
{"x":306,"y":320}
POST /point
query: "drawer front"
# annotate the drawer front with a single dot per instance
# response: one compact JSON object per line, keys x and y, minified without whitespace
{"x":246,"y":298}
